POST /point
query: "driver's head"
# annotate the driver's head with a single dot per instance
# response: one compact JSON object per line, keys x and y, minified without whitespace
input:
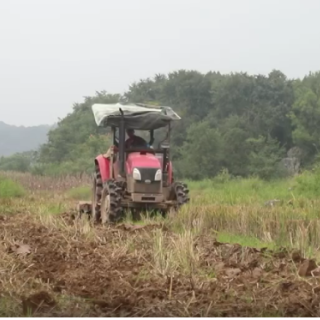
{"x":130,"y":133}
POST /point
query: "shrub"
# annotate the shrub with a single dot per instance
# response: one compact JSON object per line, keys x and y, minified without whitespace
{"x":308,"y":183}
{"x":223,"y":176}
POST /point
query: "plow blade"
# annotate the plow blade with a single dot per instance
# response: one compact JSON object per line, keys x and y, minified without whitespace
{"x":84,"y":207}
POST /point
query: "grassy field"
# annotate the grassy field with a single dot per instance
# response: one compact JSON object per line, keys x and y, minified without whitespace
{"x":242,"y":247}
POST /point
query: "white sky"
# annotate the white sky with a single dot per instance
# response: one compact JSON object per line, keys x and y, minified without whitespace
{"x":54,"y":52}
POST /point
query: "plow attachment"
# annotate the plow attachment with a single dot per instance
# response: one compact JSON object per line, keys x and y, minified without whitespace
{"x":84,"y":207}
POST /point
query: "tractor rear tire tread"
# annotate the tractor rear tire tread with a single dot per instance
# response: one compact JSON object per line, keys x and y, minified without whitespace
{"x":182,"y":193}
{"x":115,"y":213}
{"x":97,"y":196}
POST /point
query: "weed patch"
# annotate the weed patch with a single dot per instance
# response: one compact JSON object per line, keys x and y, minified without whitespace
{"x":79,"y":193}
{"x":10,"y":189}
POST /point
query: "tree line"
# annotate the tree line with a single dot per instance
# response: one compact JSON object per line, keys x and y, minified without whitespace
{"x":242,"y":123}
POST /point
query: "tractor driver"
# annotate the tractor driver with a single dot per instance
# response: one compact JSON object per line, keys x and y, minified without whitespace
{"x":134,"y":141}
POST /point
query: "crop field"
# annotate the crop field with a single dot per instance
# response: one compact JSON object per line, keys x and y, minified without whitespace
{"x":241,"y":247}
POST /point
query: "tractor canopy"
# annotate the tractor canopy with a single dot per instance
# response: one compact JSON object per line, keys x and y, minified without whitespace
{"x":135,"y":116}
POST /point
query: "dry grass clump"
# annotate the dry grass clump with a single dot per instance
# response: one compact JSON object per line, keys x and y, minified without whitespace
{"x":59,"y":184}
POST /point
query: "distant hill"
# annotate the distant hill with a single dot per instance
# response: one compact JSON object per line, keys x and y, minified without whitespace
{"x":15,"y":139}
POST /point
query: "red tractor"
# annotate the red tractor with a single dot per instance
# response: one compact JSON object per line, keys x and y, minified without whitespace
{"x":135,"y":177}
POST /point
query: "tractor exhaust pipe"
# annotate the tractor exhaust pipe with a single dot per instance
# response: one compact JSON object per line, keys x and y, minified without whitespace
{"x":121,"y":145}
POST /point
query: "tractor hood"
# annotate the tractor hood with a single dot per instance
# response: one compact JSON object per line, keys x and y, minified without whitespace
{"x":142,"y":160}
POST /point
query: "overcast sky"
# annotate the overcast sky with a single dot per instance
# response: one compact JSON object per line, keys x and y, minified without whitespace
{"x":54,"y":52}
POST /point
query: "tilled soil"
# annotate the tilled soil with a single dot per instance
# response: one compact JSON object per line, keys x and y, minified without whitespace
{"x":59,"y":269}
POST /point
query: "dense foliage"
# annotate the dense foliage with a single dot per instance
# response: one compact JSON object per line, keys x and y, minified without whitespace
{"x":245,"y":124}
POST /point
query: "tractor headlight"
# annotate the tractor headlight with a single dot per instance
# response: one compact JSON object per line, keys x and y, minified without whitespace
{"x":136,"y":174}
{"x":158,"y":175}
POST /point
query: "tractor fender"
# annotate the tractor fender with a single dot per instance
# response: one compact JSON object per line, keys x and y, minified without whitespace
{"x":103,"y":164}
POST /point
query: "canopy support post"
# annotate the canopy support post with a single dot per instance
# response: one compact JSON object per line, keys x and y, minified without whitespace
{"x":121,"y":145}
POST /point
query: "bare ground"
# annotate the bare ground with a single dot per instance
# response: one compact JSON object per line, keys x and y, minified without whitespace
{"x":51,"y":266}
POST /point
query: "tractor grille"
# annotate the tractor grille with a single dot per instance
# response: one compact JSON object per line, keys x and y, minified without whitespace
{"x":147,"y":174}
{"x":149,"y":187}
{"x":142,"y":187}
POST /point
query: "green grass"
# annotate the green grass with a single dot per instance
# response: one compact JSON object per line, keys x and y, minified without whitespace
{"x":227,"y":190}
{"x":80,"y":193}
{"x":10,"y":189}
{"x":244,"y":240}
{"x":56,"y":208}
{"x":240,"y":191}
{"x":9,"y":307}
{"x":308,"y":183}
{"x":237,"y":210}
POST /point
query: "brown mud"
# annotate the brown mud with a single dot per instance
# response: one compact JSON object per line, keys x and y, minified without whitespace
{"x":55,"y":271}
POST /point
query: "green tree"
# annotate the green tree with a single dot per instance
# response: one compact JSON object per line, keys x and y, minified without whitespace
{"x":244,"y":123}
{"x":264,"y":156}
{"x":234,"y":133}
{"x":305,"y":115}
{"x":21,"y":162}
{"x":74,"y":130}
{"x":201,"y":153}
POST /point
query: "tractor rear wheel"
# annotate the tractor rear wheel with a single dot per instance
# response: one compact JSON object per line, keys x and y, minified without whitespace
{"x":181,"y":193}
{"x":96,"y":197}
{"x":111,"y":210}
